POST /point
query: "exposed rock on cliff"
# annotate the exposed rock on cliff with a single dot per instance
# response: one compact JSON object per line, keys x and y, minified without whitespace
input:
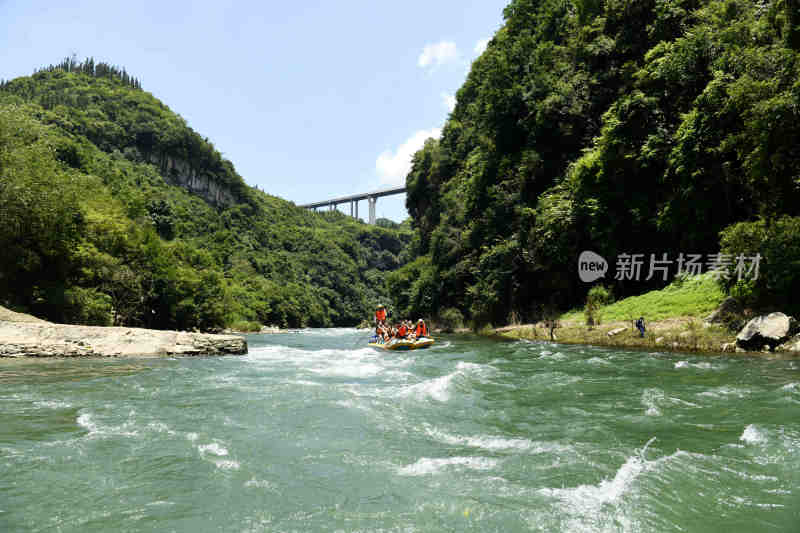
{"x":182,"y":174}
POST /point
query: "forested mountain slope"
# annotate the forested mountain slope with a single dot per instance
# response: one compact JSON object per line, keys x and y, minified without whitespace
{"x":618,"y":126}
{"x":113,"y":210}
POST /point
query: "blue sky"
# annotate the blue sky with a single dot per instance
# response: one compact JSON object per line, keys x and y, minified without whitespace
{"x":309,"y":100}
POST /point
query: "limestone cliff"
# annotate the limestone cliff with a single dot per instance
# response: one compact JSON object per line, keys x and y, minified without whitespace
{"x":181,"y":173}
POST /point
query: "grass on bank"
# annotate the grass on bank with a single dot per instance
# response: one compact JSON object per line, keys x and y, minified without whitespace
{"x":694,"y":296}
{"x":674,"y":317}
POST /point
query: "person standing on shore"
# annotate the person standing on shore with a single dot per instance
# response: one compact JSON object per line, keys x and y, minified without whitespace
{"x":640,"y":326}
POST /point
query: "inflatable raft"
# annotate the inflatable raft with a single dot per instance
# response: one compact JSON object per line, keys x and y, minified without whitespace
{"x":418,"y":344}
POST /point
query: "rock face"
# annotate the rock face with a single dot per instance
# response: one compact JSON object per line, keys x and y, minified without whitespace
{"x":181,"y":173}
{"x":771,"y":330}
{"x":43,"y":339}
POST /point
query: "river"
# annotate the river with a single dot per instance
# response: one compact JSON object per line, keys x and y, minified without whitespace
{"x":314,"y":432}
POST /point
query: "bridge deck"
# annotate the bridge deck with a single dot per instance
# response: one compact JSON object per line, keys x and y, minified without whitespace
{"x":356,"y":197}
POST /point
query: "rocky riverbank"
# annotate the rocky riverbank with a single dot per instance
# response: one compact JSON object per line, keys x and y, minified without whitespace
{"x":768,"y":333}
{"x":25,"y":336}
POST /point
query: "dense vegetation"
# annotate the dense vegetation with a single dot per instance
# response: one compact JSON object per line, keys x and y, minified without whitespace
{"x":618,"y":126}
{"x":97,"y":225}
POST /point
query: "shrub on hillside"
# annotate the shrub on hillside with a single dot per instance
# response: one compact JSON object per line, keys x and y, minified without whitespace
{"x":598,"y":297}
{"x":778,"y":243}
{"x":450,"y":319}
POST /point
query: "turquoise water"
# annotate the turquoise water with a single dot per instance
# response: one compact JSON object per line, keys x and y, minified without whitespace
{"x":311,"y":432}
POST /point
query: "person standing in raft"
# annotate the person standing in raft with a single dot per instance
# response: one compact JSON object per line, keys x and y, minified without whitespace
{"x":640,"y":326}
{"x":380,"y":315}
{"x":421,"y":329}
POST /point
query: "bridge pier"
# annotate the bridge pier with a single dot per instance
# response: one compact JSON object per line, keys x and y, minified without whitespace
{"x":372,"y":200}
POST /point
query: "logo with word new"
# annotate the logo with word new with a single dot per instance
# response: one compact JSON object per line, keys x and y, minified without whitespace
{"x":591,"y":266}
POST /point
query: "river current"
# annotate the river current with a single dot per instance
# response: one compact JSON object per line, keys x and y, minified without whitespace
{"x":316,"y":432}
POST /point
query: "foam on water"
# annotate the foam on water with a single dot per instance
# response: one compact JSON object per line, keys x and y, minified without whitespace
{"x":259,"y":484}
{"x":213,"y":451}
{"x":439,"y":388}
{"x":160,"y":427}
{"x":703,"y":365}
{"x":656,"y":399}
{"x":227,"y":465}
{"x":435,"y":388}
{"x":752,"y":435}
{"x":354,"y":368}
{"x":610,"y":504}
{"x":650,"y":399}
{"x":428,"y":465}
{"x":95,"y":429}
{"x":305,"y":383}
{"x":725,"y":391}
{"x":52,"y":404}
{"x":337,"y":363}
{"x":213,"y":448}
{"x":331,"y":332}
{"x":554,"y":356}
{"x":487,"y":442}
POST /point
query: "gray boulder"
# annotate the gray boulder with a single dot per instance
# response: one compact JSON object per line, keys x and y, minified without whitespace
{"x":792,"y":345}
{"x":771,"y":330}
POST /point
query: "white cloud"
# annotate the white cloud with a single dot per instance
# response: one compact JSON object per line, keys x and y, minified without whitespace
{"x":481,"y":45}
{"x":393,"y":167}
{"x":449,"y":101}
{"x":438,"y":54}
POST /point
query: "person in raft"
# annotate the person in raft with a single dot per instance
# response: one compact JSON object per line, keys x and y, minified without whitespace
{"x":640,"y":326}
{"x":402,"y":331}
{"x":379,"y":336}
{"x":421,"y":330}
{"x":380,"y":315}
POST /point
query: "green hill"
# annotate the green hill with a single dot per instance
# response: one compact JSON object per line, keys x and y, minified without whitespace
{"x":629,"y":126}
{"x":113,"y":210}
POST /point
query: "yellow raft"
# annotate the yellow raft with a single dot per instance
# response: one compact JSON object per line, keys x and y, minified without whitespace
{"x":418,"y":344}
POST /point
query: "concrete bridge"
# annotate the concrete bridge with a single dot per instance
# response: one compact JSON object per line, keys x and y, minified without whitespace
{"x":370,"y":197}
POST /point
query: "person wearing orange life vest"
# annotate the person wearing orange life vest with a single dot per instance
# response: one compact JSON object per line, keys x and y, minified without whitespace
{"x":421,"y":330}
{"x":402,"y":331}
{"x":380,"y":315}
